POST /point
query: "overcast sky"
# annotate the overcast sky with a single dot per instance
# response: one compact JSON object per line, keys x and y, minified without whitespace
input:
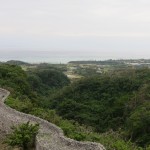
{"x":109,"y":28}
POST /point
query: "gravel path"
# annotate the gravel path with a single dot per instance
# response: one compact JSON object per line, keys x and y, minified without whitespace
{"x":50,"y":137}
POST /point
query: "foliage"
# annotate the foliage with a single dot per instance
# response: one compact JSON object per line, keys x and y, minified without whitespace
{"x":15,"y":78}
{"x":53,"y":78}
{"x":45,"y":79}
{"x":24,"y":106}
{"x":97,"y":100}
{"x":78,"y":132}
{"x":139,"y":124}
{"x":110,"y":101}
{"x":16,"y":62}
{"x":23,"y":136}
{"x":87,"y":109}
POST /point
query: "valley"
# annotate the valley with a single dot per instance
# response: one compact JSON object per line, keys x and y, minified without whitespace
{"x":103,"y":107}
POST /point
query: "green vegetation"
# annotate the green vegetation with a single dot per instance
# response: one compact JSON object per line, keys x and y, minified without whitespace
{"x":15,"y":79}
{"x":117,"y":101}
{"x":16,"y":62}
{"x":74,"y":130}
{"x":112,"y":108}
{"x":23,"y":136}
{"x":46,"y":78}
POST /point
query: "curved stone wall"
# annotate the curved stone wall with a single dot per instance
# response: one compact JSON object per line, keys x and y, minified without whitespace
{"x":50,"y":137}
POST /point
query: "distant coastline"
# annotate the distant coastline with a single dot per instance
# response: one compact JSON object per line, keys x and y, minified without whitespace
{"x":57,"y":56}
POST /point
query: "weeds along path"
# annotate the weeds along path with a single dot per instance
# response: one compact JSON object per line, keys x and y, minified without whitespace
{"x":50,"y":137}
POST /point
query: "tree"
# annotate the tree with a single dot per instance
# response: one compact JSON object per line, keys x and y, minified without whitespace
{"x":139,"y":125}
{"x":23,"y":136}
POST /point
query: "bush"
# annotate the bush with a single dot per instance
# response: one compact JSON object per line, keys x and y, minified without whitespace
{"x":138,"y":125}
{"x":23,"y":136}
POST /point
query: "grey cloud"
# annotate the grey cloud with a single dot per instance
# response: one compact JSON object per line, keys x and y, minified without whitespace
{"x":119,"y":26}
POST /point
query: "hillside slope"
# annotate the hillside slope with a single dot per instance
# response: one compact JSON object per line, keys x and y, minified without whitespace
{"x":116,"y":101}
{"x":49,"y":136}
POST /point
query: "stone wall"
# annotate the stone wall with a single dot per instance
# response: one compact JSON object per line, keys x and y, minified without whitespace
{"x":50,"y":137}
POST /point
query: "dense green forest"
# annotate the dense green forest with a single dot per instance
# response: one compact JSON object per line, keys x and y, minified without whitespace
{"x":112,"y":108}
{"x":111,"y":101}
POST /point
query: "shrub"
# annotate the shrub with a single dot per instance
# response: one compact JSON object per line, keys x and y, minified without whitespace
{"x":23,"y":136}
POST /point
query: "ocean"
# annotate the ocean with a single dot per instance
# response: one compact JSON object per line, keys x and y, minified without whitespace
{"x":49,"y":56}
